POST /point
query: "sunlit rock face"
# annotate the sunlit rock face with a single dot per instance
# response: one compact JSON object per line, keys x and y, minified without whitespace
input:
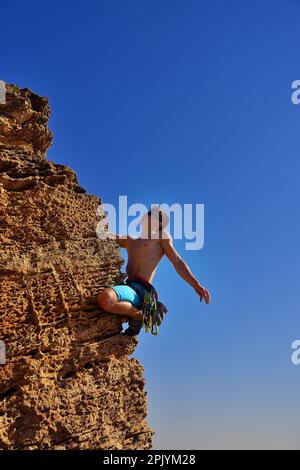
{"x":68,"y":382}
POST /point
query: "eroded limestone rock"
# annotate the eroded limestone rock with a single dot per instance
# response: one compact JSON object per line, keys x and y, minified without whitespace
{"x":69,"y":382}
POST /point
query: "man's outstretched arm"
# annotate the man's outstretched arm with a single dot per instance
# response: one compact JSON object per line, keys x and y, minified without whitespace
{"x":183,"y":269}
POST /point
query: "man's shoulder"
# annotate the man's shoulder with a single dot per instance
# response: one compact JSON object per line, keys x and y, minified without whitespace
{"x":166,"y":236}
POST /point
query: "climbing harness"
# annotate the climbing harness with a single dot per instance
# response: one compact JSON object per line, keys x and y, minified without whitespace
{"x":153,"y":310}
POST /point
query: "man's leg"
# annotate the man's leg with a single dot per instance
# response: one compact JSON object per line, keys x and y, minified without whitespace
{"x":108,"y":301}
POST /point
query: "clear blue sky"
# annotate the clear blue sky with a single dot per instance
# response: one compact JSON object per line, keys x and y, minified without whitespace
{"x":189,"y":102}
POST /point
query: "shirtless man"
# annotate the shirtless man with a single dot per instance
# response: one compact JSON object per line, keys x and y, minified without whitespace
{"x":144,"y":255}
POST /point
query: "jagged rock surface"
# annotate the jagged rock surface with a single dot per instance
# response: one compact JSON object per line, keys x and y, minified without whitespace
{"x":68,"y":382}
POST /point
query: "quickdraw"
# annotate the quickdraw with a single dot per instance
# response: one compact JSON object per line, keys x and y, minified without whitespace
{"x":153,"y":310}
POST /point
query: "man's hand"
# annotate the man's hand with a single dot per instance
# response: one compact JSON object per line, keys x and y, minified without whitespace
{"x":203,"y":293}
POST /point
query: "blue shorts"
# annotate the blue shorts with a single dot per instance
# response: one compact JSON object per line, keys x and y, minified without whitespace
{"x":128,"y":294}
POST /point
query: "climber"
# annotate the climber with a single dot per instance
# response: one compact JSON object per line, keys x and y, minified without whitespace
{"x":137,"y":298}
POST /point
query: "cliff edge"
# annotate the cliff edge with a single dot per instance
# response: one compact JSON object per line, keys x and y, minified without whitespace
{"x":68,"y":381}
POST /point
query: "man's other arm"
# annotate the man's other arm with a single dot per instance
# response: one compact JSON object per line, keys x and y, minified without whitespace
{"x":182,"y":268}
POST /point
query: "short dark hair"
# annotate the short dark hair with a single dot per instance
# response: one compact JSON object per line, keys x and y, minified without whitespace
{"x":162,"y":216}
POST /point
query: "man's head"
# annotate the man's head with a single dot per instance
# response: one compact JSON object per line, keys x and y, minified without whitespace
{"x":154,"y":221}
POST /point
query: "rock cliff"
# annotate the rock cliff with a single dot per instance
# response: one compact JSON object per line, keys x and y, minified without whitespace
{"x":68,"y":381}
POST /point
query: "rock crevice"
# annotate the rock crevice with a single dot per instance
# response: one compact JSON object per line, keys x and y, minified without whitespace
{"x":68,"y":381}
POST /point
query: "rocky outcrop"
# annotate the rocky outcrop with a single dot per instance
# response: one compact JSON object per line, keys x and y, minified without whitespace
{"x":68,"y":382}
